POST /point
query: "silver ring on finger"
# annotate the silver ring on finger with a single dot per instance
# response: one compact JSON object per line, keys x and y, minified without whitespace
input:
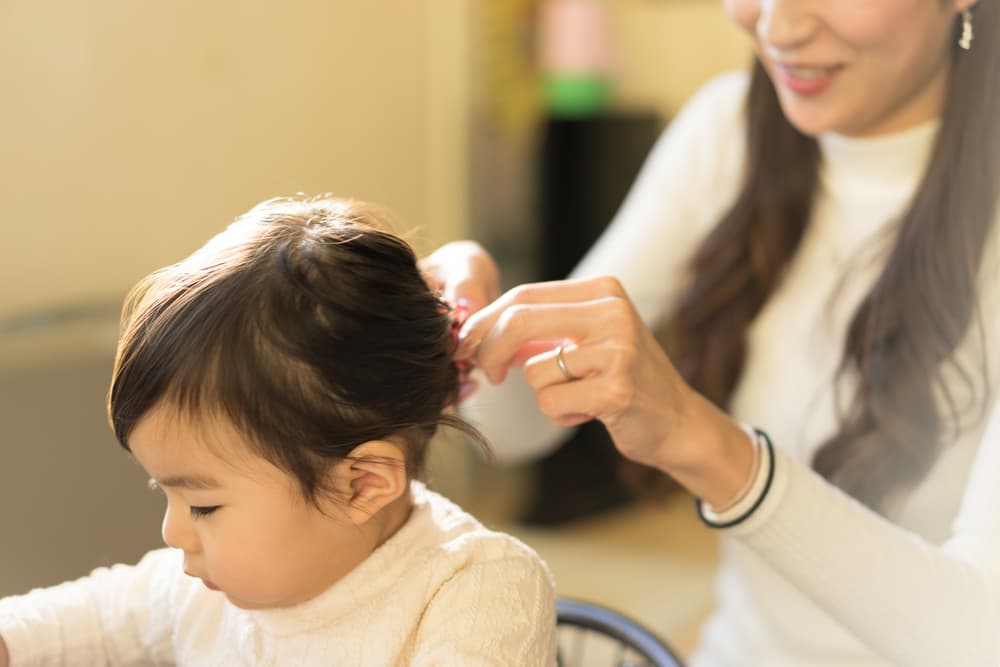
{"x":563,"y":368}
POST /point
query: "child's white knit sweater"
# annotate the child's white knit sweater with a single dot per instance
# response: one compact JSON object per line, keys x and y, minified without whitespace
{"x":443,"y":590}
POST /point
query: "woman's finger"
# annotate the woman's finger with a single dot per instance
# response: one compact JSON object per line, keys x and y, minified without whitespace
{"x":573,"y":402}
{"x":521,"y":325}
{"x":555,"y":292}
{"x":543,"y":370}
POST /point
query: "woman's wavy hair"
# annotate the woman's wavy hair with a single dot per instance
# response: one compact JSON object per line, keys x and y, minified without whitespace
{"x":308,"y":325}
{"x":901,"y":339}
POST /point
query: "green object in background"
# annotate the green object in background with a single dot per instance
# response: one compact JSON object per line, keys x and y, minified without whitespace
{"x":575,"y":96}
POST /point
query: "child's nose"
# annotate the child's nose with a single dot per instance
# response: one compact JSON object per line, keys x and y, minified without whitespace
{"x":178,"y":531}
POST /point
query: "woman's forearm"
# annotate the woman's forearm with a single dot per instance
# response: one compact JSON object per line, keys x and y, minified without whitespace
{"x":916,"y":604}
{"x":4,"y":659}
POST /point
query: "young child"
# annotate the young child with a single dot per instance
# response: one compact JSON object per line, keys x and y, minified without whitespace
{"x":280,"y":387}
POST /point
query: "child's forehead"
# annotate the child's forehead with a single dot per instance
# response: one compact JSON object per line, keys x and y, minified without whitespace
{"x":169,"y":438}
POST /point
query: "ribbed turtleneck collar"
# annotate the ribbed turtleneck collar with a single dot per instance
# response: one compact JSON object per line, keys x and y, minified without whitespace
{"x":885,"y":161}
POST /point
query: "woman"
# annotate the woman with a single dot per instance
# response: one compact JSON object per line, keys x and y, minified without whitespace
{"x":822,"y":237}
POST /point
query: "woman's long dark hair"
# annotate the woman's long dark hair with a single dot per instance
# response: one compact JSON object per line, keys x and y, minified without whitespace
{"x":903,"y":335}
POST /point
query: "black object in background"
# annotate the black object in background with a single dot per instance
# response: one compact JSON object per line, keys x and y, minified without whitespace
{"x":587,"y":167}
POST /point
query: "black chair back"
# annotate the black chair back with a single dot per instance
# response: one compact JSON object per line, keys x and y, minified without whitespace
{"x":593,"y":636}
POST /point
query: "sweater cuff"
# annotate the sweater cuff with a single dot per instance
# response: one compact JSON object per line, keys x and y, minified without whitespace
{"x":749,"y":497}
{"x":761,"y":503}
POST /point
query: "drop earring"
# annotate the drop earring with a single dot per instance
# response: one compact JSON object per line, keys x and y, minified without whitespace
{"x":965,"y":41}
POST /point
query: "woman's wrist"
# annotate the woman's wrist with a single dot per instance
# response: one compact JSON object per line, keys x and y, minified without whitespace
{"x":714,"y":459}
{"x":4,"y":658}
{"x":748,"y":485}
{"x":758,"y":486}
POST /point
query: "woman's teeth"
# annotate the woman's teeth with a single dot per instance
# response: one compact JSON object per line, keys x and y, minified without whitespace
{"x":808,"y":73}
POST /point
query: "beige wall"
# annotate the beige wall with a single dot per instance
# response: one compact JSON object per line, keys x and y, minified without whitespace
{"x":668,"y":48}
{"x":133,"y":130}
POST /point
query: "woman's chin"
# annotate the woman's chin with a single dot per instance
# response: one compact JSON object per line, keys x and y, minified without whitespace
{"x":811,"y":122}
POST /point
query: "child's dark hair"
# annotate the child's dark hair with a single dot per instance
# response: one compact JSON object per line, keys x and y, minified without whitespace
{"x":306,"y":324}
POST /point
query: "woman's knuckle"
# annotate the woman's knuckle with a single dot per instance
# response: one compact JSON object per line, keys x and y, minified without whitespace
{"x":621,"y":310}
{"x":547,"y":404}
{"x":519,"y":294}
{"x":609,"y":285}
{"x":623,"y":357}
{"x":513,"y":319}
{"x":533,"y":373}
{"x":620,"y":393}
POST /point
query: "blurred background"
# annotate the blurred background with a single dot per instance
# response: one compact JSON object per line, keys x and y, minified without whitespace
{"x":133,"y":131}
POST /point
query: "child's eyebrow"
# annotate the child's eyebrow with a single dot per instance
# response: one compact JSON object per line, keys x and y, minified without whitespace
{"x":193,"y":482}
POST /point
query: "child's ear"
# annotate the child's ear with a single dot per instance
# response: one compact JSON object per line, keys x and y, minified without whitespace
{"x":373,"y":476}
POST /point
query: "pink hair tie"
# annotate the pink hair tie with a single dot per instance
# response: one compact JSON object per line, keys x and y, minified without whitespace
{"x":458,"y":313}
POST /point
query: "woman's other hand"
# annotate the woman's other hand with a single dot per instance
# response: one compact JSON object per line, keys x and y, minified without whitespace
{"x":616,"y":372}
{"x":467,"y":277}
{"x":464,"y":273}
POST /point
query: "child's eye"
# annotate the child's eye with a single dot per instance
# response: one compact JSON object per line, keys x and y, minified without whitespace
{"x":198,"y":512}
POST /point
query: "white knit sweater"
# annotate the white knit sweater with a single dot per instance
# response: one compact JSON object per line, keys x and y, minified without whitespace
{"x":442,"y":591}
{"x":814,"y":579}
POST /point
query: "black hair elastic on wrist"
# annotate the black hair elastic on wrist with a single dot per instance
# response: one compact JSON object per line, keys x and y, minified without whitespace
{"x":699,"y":504}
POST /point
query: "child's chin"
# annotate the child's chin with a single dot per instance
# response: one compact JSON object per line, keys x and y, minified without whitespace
{"x":242,"y":604}
{"x":264,"y":600}
{"x":250,"y":605}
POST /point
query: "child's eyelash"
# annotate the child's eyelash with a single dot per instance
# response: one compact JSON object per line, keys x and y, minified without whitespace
{"x":198,"y":512}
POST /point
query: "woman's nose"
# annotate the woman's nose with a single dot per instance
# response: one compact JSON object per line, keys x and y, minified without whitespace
{"x":785,"y":24}
{"x":178,"y":531}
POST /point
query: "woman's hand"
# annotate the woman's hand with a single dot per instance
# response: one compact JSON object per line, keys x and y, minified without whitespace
{"x":616,"y":372}
{"x":464,"y":273}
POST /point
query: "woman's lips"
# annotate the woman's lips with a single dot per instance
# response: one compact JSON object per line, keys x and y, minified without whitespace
{"x":806,"y":79}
